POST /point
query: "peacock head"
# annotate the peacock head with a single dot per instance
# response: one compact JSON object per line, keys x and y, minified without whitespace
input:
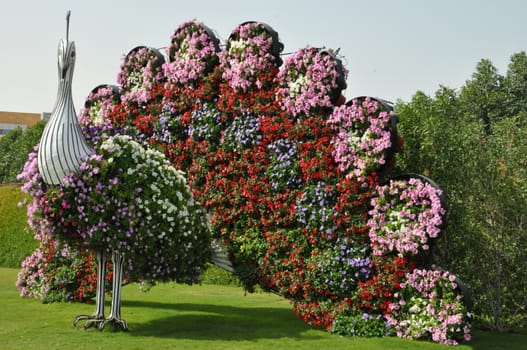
{"x":66,"y":54}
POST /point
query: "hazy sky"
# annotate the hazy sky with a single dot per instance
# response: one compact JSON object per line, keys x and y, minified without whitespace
{"x":392,"y":48}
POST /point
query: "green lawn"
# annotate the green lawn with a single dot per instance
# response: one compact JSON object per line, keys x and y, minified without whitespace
{"x":188,"y":317}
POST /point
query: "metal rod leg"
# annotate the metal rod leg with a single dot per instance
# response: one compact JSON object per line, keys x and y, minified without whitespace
{"x":115,"y":312}
{"x":97,"y":317}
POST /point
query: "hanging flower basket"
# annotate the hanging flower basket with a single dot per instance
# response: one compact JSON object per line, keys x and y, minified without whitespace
{"x":365,"y":136}
{"x":441,"y":193}
{"x":252,"y":49}
{"x":311,"y":79}
{"x":276,"y":46}
{"x":99,"y":102}
{"x":407,"y":214}
{"x":192,"y":53}
{"x":141,"y":70}
{"x":430,"y":306}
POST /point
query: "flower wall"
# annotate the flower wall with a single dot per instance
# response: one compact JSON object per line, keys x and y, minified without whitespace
{"x":296,"y":183}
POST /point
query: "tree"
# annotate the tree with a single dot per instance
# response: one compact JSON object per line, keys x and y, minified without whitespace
{"x":441,"y":143}
{"x":14,"y":148}
{"x":7,"y":153}
{"x":501,"y":225}
{"x":473,"y":144}
{"x":483,"y":96}
{"x":515,"y":84}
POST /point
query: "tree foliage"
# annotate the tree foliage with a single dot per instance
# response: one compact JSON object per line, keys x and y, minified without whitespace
{"x":14,"y":148}
{"x":473,"y":143}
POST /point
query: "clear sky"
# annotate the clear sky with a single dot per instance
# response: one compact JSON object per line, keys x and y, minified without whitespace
{"x":392,"y":48}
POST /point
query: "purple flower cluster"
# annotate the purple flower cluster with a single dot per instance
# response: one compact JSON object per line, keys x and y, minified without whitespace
{"x":314,"y":210}
{"x":96,"y":134}
{"x":362,"y":137}
{"x":166,"y":130}
{"x":405,"y":215}
{"x":206,"y":123}
{"x":283,"y":170}
{"x":308,"y":81}
{"x":162,"y":131}
{"x":243,"y":132}
{"x":31,"y":176}
{"x":344,"y":265}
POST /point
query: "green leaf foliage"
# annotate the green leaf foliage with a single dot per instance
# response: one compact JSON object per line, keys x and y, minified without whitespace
{"x":473,"y":143}
{"x":14,"y":148}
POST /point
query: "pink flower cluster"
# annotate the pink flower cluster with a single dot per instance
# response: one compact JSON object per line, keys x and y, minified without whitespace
{"x":308,"y":81}
{"x":192,"y":53}
{"x":429,"y":306}
{"x":32,"y":276}
{"x":34,"y":186}
{"x":404,"y":216}
{"x":362,"y":137}
{"x":141,"y":69}
{"x":35,"y":278}
{"x":247,"y":55}
{"x":99,"y":103}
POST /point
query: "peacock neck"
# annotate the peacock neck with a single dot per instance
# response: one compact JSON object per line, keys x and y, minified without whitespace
{"x":64,"y":102}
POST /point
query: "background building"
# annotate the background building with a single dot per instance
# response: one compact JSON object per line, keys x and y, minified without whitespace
{"x":12,"y":120}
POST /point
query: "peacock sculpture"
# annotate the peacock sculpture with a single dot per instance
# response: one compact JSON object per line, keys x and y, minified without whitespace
{"x":299,"y":186}
{"x":176,"y":247}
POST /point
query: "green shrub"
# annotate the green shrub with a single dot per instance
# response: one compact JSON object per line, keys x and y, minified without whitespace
{"x":215,"y":275}
{"x":365,"y":325}
{"x":15,"y":240}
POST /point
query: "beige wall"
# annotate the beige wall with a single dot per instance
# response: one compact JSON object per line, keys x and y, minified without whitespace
{"x":11,"y":120}
{"x":28,"y":119}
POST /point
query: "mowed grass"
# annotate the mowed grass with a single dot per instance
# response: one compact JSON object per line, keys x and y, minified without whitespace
{"x":173,"y":316}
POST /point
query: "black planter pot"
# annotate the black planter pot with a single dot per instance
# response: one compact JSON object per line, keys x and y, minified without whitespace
{"x":116,"y":93}
{"x":159,"y":56}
